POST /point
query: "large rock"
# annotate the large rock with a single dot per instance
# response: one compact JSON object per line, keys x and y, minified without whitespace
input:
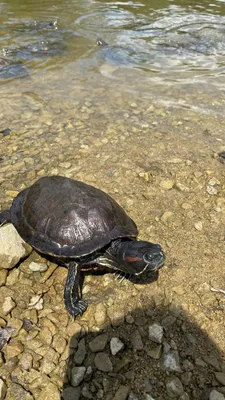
{"x":13,"y":248}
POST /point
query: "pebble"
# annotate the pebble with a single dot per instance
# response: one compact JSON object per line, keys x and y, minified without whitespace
{"x":167,"y":184}
{"x":116,"y":345}
{"x":136,"y":340}
{"x":198,"y":225}
{"x":171,"y":361}
{"x":100,"y":314}
{"x":167,"y":216}
{"x":155,"y":333}
{"x":77,"y":375}
{"x":211,"y":190}
{"x":220,"y":377}
{"x":13,"y":248}
{"x":121,"y":393}
{"x":98,"y":343}
{"x":8,"y":305}
{"x":38,"y":267}
{"x":80,"y":353}
{"x":36,"y":302}
{"x":3,"y":389}
{"x":50,"y":392}
{"x":103,"y":362}
{"x":215,"y":395}
{"x":16,"y":391}
{"x":174,"y":387}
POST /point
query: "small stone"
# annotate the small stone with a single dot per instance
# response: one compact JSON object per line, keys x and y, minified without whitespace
{"x":86,"y":393}
{"x":121,"y":393}
{"x":174,"y":387}
{"x":8,"y":305}
{"x":198,"y":225}
{"x":36,"y":302}
{"x":71,"y":393}
{"x":116,"y":345}
{"x":155,"y":333}
{"x":103,"y":362}
{"x":220,"y":377}
{"x":15,"y":392}
{"x":80,"y":353}
{"x":98,"y":343}
{"x":26,"y":361}
{"x":167,"y":184}
{"x":100,"y":314}
{"x":50,"y":392}
{"x":167,"y":216}
{"x":211,"y":190}
{"x":3,"y":276}
{"x":13,"y":248}
{"x":156,"y":352}
{"x":184,"y":396}
{"x":77,"y":375}
{"x":74,"y":329}
{"x":38,"y":267}
{"x":136,"y":340}
{"x":215,"y":395}
{"x":13,"y":349}
{"x":129,"y":319}
{"x":45,"y":336}
{"x":171,"y":361}
{"x":182,"y":187}
{"x":3,"y":389}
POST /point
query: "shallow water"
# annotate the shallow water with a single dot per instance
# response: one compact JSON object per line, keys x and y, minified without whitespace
{"x":167,"y":51}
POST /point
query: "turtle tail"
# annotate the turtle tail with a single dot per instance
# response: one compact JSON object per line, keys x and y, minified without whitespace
{"x":4,"y":217}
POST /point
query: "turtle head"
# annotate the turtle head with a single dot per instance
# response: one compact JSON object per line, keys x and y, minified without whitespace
{"x":142,"y":257}
{"x":101,"y":42}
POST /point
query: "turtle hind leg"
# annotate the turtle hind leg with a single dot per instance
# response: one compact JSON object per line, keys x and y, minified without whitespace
{"x":4,"y":217}
{"x":74,"y":304}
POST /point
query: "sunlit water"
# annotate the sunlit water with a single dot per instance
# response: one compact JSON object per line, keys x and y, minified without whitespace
{"x":165,"y":51}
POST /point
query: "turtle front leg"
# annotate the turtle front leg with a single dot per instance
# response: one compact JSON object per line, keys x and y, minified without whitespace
{"x":74,"y":304}
{"x":4,"y":217}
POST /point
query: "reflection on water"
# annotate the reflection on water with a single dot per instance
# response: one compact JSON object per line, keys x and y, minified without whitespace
{"x":161,"y":42}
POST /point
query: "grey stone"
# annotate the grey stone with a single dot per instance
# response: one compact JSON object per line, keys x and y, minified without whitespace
{"x":103,"y":362}
{"x":155,"y":333}
{"x":171,"y":361}
{"x":220,"y":376}
{"x":116,"y":345}
{"x":184,"y":396}
{"x":122,"y":393}
{"x":71,"y":393}
{"x":215,"y":395}
{"x":77,"y":375}
{"x":86,"y":393}
{"x":132,"y":396}
{"x":98,"y":343}
{"x":80,"y":353}
{"x":136,"y":340}
{"x":13,"y":248}
{"x":174,"y":387}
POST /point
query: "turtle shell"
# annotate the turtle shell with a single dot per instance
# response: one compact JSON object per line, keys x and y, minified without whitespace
{"x":67,"y":218}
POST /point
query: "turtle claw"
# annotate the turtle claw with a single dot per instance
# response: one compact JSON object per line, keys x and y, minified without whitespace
{"x":77,"y":308}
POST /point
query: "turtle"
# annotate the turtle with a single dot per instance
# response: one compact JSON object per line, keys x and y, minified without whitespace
{"x":81,"y":227}
{"x":42,"y":49}
{"x":10,"y":69}
{"x":116,"y":54}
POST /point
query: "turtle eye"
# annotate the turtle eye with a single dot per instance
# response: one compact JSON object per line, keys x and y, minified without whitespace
{"x":147,"y":257}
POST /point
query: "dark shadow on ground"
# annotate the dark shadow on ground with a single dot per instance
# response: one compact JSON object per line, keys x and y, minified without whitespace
{"x":184,"y":364}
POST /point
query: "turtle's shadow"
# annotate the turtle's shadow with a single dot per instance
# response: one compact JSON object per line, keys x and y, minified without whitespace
{"x":142,"y":367}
